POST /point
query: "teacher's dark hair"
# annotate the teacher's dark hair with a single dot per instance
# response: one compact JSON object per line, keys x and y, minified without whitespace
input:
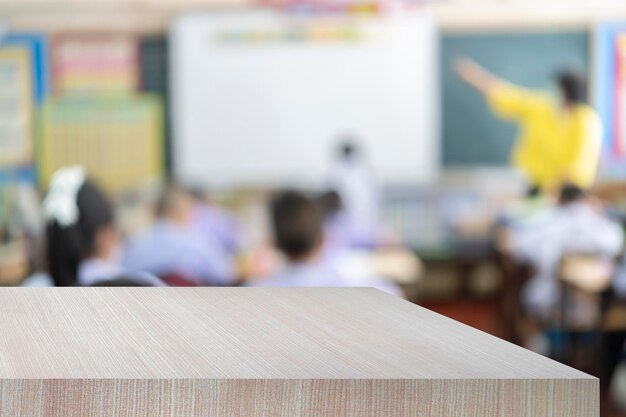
{"x":573,"y":86}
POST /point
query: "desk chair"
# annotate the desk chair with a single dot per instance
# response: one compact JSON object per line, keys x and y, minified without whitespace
{"x":177,"y":280}
{"x":120,"y":282}
{"x":583,"y":279}
{"x":514,"y":276}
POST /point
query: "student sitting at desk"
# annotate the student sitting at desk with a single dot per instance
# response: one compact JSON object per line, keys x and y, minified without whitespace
{"x":576,"y":226}
{"x":173,"y":250}
{"x":82,"y":241}
{"x":215,"y":224}
{"x":298,"y":232}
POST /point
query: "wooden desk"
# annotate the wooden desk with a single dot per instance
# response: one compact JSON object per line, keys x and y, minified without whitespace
{"x":152,"y":352}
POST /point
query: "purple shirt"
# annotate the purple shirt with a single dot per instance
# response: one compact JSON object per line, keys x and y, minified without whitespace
{"x":167,"y":248}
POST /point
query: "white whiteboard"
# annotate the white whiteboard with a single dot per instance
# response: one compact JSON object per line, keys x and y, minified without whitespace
{"x":251,"y":107}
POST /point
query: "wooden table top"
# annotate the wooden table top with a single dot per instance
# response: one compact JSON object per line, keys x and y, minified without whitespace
{"x":246,"y":333}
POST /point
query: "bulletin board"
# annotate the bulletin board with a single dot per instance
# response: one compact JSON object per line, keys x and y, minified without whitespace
{"x":37,"y":44}
{"x":94,"y":63}
{"x":262,"y":98}
{"x":119,"y":140}
{"x":610,"y":95}
{"x":16,"y":107}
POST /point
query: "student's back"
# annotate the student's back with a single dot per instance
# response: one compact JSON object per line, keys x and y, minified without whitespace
{"x":172,"y":247}
{"x":576,"y":226}
{"x":298,"y":231}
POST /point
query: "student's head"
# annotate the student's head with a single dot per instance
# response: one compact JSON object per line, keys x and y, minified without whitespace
{"x":80,"y":224}
{"x":330,"y":203}
{"x":572,"y":86}
{"x":198,"y":193}
{"x":347,"y":148}
{"x":571,"y":194}
{"x":297,"y":223}
{"x":174,"y":204}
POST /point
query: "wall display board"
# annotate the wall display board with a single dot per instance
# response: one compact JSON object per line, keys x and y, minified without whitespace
{"x":86,"y":63}
{"x":118,"y":140}
{"x":16,"y":107}
{"x":262,"y":98}
{"x":610,"y":95}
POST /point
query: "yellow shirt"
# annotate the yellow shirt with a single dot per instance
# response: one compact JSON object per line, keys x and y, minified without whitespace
{"x":554,"y":146}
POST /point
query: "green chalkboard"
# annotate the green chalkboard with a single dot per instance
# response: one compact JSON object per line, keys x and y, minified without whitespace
{"x":471,"y":134}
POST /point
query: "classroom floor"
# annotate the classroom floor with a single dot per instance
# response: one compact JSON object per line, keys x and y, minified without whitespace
{"x":483,"y":315}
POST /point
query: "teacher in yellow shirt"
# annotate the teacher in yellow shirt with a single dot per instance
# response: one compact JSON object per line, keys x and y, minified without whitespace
{"x":559,"y":143}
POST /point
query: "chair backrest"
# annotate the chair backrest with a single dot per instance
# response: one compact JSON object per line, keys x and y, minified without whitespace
{"x":587,"y":272}
{"x":177,"y":280}
{"x":120,"y":282}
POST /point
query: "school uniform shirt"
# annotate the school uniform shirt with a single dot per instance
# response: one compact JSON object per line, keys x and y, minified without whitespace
{"x":573,"y":229}
{"x":554,"y":146}
{"x":217,"y":225}
{"x":167,"y":248}
{"x":337,"y":233}
{"x":92,"y":271}
{"x":338,"y":270}
{"x":353,"y":181}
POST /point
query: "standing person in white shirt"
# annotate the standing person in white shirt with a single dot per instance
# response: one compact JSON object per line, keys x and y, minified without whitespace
{"x":352,"y":177}
{"x":577,"y":225}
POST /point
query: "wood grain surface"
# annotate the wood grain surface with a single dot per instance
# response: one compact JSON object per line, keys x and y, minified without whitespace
{"x":77,"y":352}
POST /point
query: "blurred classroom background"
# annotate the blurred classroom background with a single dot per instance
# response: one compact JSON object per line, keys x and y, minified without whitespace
{"x":313,"y":143}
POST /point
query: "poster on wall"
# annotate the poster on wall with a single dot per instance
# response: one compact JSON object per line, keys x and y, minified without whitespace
{"x":37,"y":45}
{"x":119,"y":140}
{"x":15,"y":108}
{"x":609,"y":97}
{"x":619,"y":140}
{"x":86,"y":63}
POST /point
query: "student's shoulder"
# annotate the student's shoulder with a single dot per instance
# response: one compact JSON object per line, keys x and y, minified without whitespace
{"x":267,"y":281}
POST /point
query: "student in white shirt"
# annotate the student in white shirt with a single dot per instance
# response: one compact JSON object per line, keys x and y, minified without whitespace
{"x":298,"y":232}
{"x":576,"y":226}
{"x":82,"y":240}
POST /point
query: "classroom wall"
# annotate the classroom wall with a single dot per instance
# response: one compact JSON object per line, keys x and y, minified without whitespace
{"x":154,"y":15}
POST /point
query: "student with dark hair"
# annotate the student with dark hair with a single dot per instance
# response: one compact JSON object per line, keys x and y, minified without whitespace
{"x":82,"y":240}
{"x":559,"y":142}
{"x":570,"y":194}
{"x":297,"y":221}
